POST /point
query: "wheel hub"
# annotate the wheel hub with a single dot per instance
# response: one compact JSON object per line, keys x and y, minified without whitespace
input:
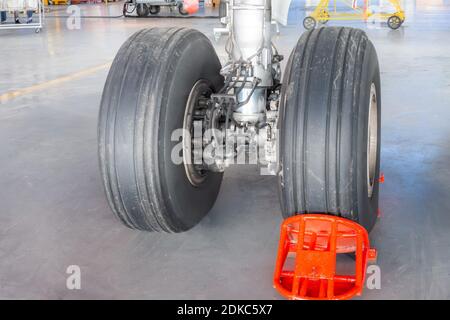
{"x":195,"y":115}
{"x":372,"y":140}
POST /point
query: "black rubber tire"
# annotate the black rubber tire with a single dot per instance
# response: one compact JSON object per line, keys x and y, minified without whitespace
{"x":143,"y":102}
{"x":181,"y":10}
{"x":155,"y":9}
{"x":324,"y":126}
{"x":142,"y":10}
{"x":394,"y":22}
{"x":309,"y":23}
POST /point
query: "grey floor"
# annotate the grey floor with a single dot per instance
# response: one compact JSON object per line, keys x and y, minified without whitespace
{"x":53,"y":212}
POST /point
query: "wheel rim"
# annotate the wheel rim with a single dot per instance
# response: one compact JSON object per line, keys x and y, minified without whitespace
{"x":372,"y":140}
{"x":309,"y":23}
{"x":154,"y":9}
{"x":395,"y":22}
{"x":194,"y":172}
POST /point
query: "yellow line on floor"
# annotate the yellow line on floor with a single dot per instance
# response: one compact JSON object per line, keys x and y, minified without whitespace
{"x":51,"y":83}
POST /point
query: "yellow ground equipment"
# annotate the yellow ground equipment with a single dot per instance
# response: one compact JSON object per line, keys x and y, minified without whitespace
{"x":322,"y":13}
{"x":58,"y":2}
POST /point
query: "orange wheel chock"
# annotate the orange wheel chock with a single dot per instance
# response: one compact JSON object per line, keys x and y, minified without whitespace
{"x":308,"y":254}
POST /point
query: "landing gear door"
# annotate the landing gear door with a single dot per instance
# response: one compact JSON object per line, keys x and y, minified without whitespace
{"x":280,"y":11}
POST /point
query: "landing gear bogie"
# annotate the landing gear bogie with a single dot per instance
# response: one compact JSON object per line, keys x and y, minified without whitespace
{"x":173,"y":119}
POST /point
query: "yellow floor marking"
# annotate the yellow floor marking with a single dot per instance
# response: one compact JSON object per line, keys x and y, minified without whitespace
{"x":51,"y":83}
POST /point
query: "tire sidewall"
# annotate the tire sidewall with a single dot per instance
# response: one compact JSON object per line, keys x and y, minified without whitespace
{"x":154,"y":9}
{"x":142,"y":10}
{"x":367,"y":207}
{"x":192,"y":64}
{"x":344,"y":186}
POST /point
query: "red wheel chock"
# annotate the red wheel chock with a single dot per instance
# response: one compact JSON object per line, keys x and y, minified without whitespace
{"x":306,"y":262}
